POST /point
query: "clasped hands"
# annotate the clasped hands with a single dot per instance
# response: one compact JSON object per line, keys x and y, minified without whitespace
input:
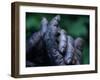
{"x":61,"y":47}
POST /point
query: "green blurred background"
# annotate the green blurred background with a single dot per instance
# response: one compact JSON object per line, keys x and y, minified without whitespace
{"x":75,"y":26}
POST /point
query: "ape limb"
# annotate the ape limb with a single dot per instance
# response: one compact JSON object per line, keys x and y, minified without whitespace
{"x":37,"y":36}
{"x":62,"y":49}
{"x":50,"y":41}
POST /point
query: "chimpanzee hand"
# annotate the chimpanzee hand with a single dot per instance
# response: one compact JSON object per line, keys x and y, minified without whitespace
{"x":61,"y":48}
{"x":66,"y":51}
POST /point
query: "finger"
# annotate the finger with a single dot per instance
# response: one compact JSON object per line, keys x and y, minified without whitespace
{"x":62,"y":41}
{"x":79,"y":43}
{"x":53,"y":25}
{"x":57,"y":17}
{"x":69,"y":51}
{"x":44,"y":23}
{"x":69,"y":55}
{"x":55,"y":20}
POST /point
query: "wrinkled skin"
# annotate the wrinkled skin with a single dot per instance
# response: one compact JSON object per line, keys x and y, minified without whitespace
{"x":56,"y":47}
{"x":51,"y":44}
